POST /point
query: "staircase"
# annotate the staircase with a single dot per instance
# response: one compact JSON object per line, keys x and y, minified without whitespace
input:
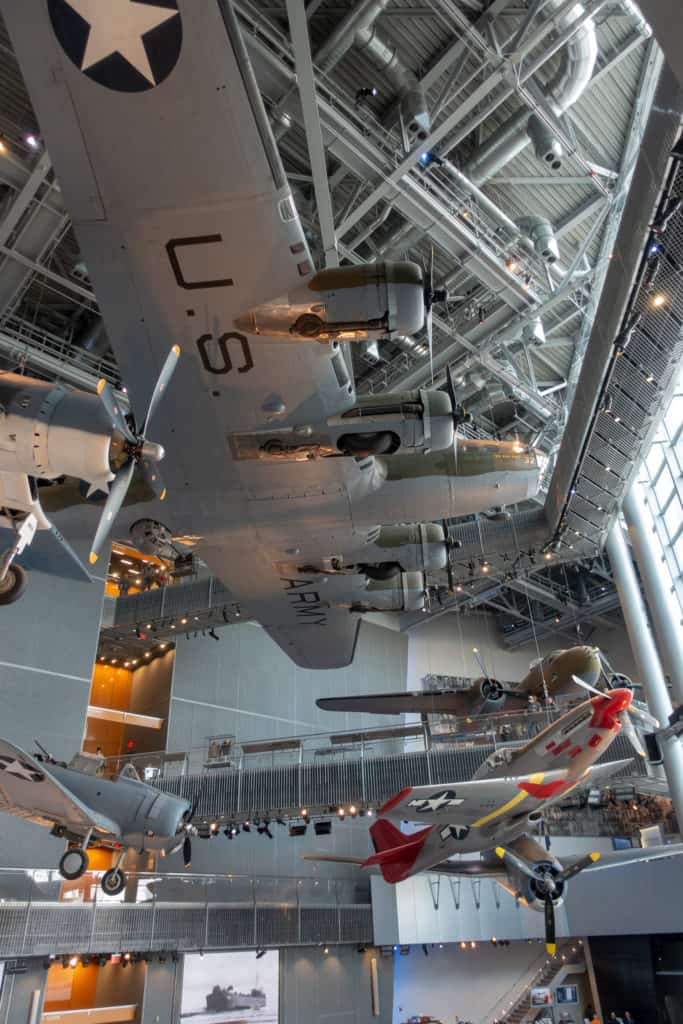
{"x":515,"y":1008}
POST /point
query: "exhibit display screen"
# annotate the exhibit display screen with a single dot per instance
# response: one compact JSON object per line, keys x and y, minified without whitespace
{"x":229,"y":987}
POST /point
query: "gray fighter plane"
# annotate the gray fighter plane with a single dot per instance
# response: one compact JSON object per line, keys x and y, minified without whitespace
{"x":76,"y":802}
{"x":312,"y":504}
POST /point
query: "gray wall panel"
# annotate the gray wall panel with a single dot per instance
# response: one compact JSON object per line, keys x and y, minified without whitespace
{"x":332,"y":989}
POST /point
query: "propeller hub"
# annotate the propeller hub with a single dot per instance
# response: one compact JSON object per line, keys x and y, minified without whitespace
{"x":152,"y":451}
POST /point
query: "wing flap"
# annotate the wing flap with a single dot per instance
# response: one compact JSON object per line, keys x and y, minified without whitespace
{"x":331,"y":644}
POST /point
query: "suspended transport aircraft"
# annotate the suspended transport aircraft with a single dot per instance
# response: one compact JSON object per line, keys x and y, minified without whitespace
{"x":312,"y":504}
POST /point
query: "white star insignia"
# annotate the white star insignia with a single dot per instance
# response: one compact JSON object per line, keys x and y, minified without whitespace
{"x":20,"y":771}
{"x":117,"y":26}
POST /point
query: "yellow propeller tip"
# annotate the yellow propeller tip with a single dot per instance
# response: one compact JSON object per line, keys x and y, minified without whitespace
{"x":550,"y":948}
{"x":594,"y":857}
{"x":162,"y":495}
{"x":176,"y":349}
{"x":93,"y":558}
{"x":101,"y":385}
{"x":500,"y":852}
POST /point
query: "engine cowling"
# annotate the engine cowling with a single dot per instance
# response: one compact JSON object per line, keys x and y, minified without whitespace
{"x":371,"y":300}
{"x":50,"y":430}
{"x":532,"y":890}
{"x":417,"y":421}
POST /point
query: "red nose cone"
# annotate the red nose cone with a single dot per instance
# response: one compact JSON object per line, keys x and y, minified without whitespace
{"x":609,"y":707}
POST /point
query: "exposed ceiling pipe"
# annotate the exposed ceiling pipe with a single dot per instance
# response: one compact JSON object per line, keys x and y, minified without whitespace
{"x":562,"y":92}
{"x":358,"y":29}
{"x":542,"y":234}
{"x":411,"y":99}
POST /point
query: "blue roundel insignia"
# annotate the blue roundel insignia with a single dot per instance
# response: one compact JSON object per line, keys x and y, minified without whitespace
{"x":126,"y":45}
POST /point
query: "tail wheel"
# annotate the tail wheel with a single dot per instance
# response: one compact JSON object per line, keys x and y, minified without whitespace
{"x":13,"y":584}
{"x":383,"y":442}
{"x":73,"y":864}
{"x":113,"y":882}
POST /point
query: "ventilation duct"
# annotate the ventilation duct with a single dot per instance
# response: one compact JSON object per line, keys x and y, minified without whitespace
{"x":542,"y":235}
{"x":573,"y":75}
{"x":410,"y":95}
{"x":533,"y":333}
{"x":546,"y":146}
{"x":358,"y":29}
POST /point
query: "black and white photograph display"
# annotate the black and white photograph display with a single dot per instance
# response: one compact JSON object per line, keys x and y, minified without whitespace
{"x":231,"y":986}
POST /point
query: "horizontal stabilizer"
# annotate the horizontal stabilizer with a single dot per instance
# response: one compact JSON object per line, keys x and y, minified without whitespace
{"x":396,"y":853}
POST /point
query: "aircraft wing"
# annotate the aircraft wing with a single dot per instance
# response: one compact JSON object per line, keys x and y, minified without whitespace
{"x":442,"y":702}
{"x":29,"y":791}
{"x":168,"y":168}
{"x":617,"y":858}
{"x":472,"y":804}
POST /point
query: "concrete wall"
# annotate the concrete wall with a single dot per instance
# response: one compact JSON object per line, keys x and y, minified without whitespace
{"x":48,"y":641}
{"x":151,"y":695}
{"x":17,"y":998}
{"x":333,"y":989}
{"x":246,"y":686}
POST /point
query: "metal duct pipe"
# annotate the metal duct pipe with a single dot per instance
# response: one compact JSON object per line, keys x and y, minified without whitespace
{"x":573,"y":75}
{"x":361,"y":16}
{"x":546,"y":147}
{"x":411,"y":97}
{"x":542,"y":234}
{"x":358,"y":29}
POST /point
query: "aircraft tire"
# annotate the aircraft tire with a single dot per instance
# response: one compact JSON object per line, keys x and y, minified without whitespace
{"x":13,"y":585}
{"x":73,"y":864}
{"x":113,"y":882}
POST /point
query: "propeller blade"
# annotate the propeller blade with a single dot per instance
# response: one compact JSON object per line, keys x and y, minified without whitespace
{"x":153,"y":478}
{"x":480,"y":661}
{"x":167,"y":371}
{"x":645,"y":717}
{"x":549,"y":918}
{"x":430,"y":341}
{"x":631,"y":734}
{"x":112,"y":507}
{"x":517,"y":862}
{"x":108,"y":400}
{"x":583,"y":862}
{"x":587,"y":686}
{"x":187,"y":851}
{"x":173,"y":848}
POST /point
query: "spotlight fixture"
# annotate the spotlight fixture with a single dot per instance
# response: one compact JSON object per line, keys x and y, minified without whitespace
{"x":260,"y":953}
{"x":427,"y":158}
{"x":512,"y":264}
{"x":264,"y":829}
{"x":659,"y":300}
{"x":353,"y":811}
{"x":73,"y":961}
{"x":365,"y":93}
{"x":3,"y":147}
{"x":322,"y":828}
{"x":424,"y":949}
{"x":341,"y":812}
{"x":213,"y":634}
{"x":326,"y":950}
{"x":32,"y":141}
{"x":463,"y":945}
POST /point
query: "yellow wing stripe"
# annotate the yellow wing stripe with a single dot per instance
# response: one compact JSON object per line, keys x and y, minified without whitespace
{"x":522,"y":795}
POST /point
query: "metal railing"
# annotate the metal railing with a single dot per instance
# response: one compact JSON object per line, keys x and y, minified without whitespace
{"x":41,"y":913}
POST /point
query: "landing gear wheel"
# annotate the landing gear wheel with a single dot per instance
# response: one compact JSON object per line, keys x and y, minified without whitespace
{"x":73,"y":864}
{"x":13,"y":584}
{"x":383,"y":571}
{"x":113,"y":882}
{"x":382,"y":443}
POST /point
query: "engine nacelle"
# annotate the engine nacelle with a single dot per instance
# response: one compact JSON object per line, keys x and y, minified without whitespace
{"x":531,"y":889}
{"x":404,"y":592}
{"x":49,"y":430}
{"x":371,"y":300}
{"x":408,"y":421}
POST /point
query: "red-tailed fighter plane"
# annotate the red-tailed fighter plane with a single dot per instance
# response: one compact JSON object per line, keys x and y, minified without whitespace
{"x":490,"y":814}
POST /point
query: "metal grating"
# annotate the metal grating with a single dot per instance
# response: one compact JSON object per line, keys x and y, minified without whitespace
{"x":366,"y":781}
{"x":34,"y":929}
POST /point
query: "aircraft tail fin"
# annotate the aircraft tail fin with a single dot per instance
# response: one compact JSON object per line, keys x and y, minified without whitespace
{"x":395,"y":853}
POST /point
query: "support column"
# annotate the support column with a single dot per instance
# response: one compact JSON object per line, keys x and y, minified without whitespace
{"x":663,"y":608}
{"x":23,"y":994}
{"x":298,"y":27}
{"x":647,"y":659}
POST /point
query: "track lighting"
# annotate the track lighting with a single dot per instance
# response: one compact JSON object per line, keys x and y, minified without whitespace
{"x":366,"y":92}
